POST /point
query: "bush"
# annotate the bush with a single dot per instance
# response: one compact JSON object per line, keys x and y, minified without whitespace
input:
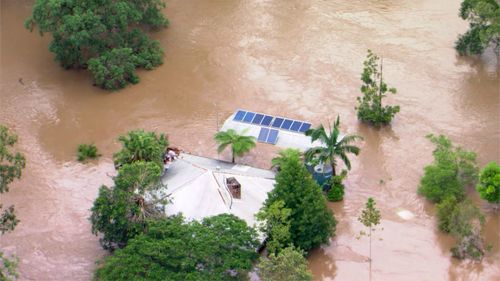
{"x":87,"y":151}
{"x":465,"y":224}
{"x":289,"y":265}
{"x":336,"y":191}
{"x":445,"y":210}
{"x":489,"y":183}
{"x":452,"y":169}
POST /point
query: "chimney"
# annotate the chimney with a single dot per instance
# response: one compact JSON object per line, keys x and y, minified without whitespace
{"x":234,"y":187}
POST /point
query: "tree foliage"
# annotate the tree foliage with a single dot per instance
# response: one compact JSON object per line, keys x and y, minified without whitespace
{"x":484,"y":27}
{"x":465,"y":224}
{"x":336,"y":191}
{"x":11,"y":165}
{"x":108,"y":37}
{"x":121,"y":212}
{"x":87,"y":151}
{"x":311,"y":222}
{"x":275,"y":224}
{"x":336,"y":145}
{"x":453,"y":168}
{"x":219,"y":248}
{"x":489,"y":183}
{"x":374,"y":89}
{"x":289,"y":265}
{"x":139,"y":145}
{"x":240,"y":144}
{"x":284,"y":154}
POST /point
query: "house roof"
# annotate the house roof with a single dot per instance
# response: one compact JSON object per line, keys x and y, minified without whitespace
{"x":197,"y":188}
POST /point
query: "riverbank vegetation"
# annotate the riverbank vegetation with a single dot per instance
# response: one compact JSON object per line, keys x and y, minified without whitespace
{"x":87,"y":151}
{"x":106,"y":37}
{"x":484,"y":27}
{"x":12,"y":164}
{"x":444,"y":182}
{"x":370,"y":109}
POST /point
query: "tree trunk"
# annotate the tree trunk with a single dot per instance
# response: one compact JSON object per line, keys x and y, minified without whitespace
{"x":232,"y":156}
{"x":370,"y":234}
{"x":333,"y":170}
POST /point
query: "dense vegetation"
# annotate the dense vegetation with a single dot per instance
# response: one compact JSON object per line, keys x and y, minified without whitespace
{"x":289,"y":265}
{"x":489,"y":183}
{"x":139,"y":145}
{"x":87,"y":151}
{"x":336,"y":191}
{"x":11,"y":165}
{"x":240,"y":144}
{"x":107,"y":37}
{"x":374,"y":89}
{"x":219,"y":248}
{"x":484,"y":27}
{"x":311,"y":222}
{"x":444,"y":183}
{"x":336,"y":146}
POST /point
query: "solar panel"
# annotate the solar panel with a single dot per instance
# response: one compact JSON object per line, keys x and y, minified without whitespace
{"x":258,"y":118}
{"x":273,"y":136}
{"x":264,"y":132}
{"x":248,"y":117}
{"x":286,"y":124}
{"x":304,"y":127}
{"x":295,"y":126}
{"x":239,"y":115}
{"x":277,"y":122}
{"x":266,"y":121}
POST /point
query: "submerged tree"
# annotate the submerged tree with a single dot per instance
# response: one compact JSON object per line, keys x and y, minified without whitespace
{"x":139,"y":145}
{"x":374,"y":89}
{"x":275,"y":225}
{"x":239,"y":143}
{"x":311,"y":222}
{"x":222,"y":247}
{"x":370,"y":217}
{"x":107,"y":37}
{"x":489,"y":183}
{"x":289,"y":265}
{"x":465,"y":224}
{"x":335,"y":145}
{"x":453,"y":169}
{"x":484,"y":27}
{"x":11,"y":165}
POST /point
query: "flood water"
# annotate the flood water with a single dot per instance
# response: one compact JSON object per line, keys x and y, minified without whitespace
{"x":301,"y":59}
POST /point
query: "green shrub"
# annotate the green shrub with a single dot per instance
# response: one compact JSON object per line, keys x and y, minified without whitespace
{"x":489,"y":183}
{"x":87,"y":151}
{"x":336,"y":191}
{"x":444,"y":211}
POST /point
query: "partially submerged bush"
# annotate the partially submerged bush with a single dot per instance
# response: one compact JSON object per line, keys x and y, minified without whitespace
{"x":87,"y":151}
{"x":489,"y":183}
{"x":336,"y":191}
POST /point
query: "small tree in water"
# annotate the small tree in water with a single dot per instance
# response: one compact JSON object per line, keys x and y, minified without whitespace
{"x":374,"y":89}
{"x":370,"y":217}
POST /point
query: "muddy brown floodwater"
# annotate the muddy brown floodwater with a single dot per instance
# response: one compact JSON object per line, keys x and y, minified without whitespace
{"x":301,"y":59}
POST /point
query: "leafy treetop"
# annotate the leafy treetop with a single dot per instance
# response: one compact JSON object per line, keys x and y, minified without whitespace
{"x":219,"y":248}
{"x":139,"y":145}
{"x":240,"y":144}
{"x":289,"y":265}
{"x":489,"y":183}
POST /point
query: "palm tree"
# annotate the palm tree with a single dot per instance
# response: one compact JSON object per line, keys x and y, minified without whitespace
{"x":240,"y":144}
{"x":334,"y":146}
{"x":283,"y":155}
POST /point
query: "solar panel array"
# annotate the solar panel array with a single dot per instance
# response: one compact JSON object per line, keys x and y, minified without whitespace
{"x":268,"y":135}
{"x":271,"y":121}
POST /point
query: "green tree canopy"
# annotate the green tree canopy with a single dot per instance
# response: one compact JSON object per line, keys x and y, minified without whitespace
{"x":465,"y":224}
{"x":484,"y":27}
{"x":11,"y":165}
{"x":275,"y":224}
{"x":106,"y":36}
{"x":219,"y":248}
{"x":139,"y":145}
{"x":239,"y":143}
{"x":453,"y":168}
{"x":489,"y":183}
{"x":284,"y":154}
{"x":336,"y":145}
{"x":374,"y":89}
{"x":311,"y":222}
{"x":289,"y":265}
{"x":121,"y":212}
